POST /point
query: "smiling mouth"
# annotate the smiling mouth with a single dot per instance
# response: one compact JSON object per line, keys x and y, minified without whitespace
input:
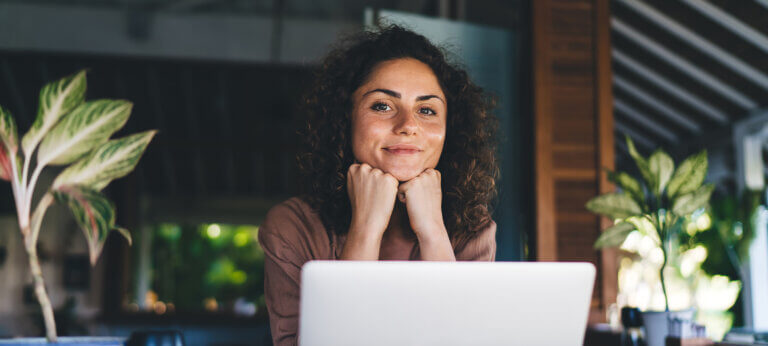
{"x":402,"y":151}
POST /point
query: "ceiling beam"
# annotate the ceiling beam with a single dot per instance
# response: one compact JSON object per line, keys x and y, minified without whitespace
{"x":730,"y":22}
{"x":763,"y":3}
{"x":670,"y":87}
{"x":705,"y":46}
{"x":653,"y":102}
{"x":705,"y":78}
{"x":640,"y":118}
{"x":637,"y":137}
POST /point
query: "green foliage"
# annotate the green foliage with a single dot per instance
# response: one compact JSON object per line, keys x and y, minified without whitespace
{"x":614,"y":205}
{"x":688,"y":203}
{"x":8,"y":143}
{"x":661,"y":167}
{"x":672,"y":194}
{"x":628,"y":184}
{"x":113,"y":159}
{"x":56,"y":99}
{"x":191,"y":264}
{"x":86,"y":127}
{"x":689,"y":175}
{"x":69,"y":130}
{"x":613,"y":236}
{"x":94,"y":213}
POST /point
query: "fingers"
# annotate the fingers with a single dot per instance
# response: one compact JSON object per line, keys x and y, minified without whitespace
{"x":426,"y":175}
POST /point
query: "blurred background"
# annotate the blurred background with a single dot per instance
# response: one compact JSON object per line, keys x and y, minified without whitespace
{"x":222,"y":80}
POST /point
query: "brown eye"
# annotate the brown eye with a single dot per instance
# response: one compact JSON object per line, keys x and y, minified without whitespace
{"x":427,"y":111}
{"x":381,"y":107}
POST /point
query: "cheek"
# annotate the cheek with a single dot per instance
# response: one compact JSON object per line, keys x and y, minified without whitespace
{"x":436,"y":138}
{"x":364,"y":137}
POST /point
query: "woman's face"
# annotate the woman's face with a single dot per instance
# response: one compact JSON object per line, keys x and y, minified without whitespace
{"x":399,"y":118}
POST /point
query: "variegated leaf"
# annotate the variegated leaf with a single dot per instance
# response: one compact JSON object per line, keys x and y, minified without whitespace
{"x":111,"y":160}
{"x":614,"y":205}
{"x":661,"y":167}
{"x":86,"y":127}
{"x":642,"y":164}
{"x":56,"y":99}
{"x":628,"y":184}
{"x":689,"y":176}
{"x":8,"y":131}
{"x":6,"y":170}
{"x":8,"y":144}
{"x":94,"y":213}
{"x":615,"y":235}
{"x":686,"y":204}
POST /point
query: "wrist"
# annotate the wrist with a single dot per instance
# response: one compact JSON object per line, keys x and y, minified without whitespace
{"x":361,"y":245}
{"x":363,"y":226}
{"x":434,"y":232}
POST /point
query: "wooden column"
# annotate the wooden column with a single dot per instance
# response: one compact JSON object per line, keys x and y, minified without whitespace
{"x":573,"y":119}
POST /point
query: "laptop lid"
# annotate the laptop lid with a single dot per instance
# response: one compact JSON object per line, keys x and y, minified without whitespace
{"x":444,"y":303}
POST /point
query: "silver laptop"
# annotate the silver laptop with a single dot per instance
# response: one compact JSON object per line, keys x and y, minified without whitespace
{"x":444,"y":303}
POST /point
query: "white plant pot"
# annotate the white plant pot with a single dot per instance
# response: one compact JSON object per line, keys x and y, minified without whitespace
{"x":656,"y":326}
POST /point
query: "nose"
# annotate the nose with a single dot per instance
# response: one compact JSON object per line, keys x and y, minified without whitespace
{"x":406,"y":124}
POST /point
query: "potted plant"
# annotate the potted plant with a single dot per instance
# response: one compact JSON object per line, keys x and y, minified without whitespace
{"x":663,"y":198}
{"x":68,"y":131}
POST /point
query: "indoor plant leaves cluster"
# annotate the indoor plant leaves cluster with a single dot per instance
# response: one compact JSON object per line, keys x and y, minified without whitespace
{"x":68,"y":131}
{"x":664,"y":197}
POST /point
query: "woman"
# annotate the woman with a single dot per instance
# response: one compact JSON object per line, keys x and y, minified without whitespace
{"x":399,"y":165}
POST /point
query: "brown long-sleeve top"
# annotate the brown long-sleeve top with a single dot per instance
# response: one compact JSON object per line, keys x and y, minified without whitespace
{"x":293,"y":234}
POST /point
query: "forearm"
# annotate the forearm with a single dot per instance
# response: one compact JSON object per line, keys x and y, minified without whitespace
{"x":436,"y":246}
{"x":361,"y":245}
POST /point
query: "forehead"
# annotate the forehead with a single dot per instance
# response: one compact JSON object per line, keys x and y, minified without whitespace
{"x":406,"y":75}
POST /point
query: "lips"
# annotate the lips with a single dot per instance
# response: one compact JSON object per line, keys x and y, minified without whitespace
{"x":402,"y":149}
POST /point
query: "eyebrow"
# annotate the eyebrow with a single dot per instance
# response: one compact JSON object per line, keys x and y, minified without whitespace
{"x":398,"y":95}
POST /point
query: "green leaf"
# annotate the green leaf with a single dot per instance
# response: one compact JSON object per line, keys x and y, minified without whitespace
{"x":689,"y":176}
{"x":641,"y":162}
{"x":614,"y":205}
{"x":111,"y":160}
{"x":8,"y":131}
{"x":86,"y":127}
{"x":690,"y":202}
{"x":56,"y":99}
{"x":615,"y":235}
{"x":628,"y":184}
{"x":94,"y":213}
{"x":662,"y":167}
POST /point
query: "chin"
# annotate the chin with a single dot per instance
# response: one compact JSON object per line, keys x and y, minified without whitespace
{"x":403,"y":175}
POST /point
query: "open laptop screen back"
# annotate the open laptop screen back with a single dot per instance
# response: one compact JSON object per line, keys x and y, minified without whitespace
{"x":444,"y":303}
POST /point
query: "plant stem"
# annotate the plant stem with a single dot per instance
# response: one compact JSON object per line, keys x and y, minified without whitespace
{"x":42,"y":295}
{"x":661,"y":276}
{"x":24,"y":173}
{"x":661,"y":227}
{"x":31,"y":187}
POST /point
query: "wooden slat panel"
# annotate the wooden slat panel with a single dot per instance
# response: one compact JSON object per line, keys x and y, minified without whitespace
{"x":546,"y":244}
{"x":574,"y":133}
{"x":581,"y":160}
{"x":609,"y":266}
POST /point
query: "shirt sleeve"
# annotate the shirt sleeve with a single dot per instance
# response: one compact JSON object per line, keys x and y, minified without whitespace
{"x":282,"y":273}
{"x":480,"y":248}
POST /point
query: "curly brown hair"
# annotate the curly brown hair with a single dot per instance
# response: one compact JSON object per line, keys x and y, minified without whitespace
{"x":468,"y":163}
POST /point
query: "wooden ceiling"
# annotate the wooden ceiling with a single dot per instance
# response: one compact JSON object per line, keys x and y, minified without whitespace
{"x":685,"y":71}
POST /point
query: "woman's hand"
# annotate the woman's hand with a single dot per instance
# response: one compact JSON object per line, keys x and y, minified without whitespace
{"x":372,"y":195}
{"x":423,"y":199}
